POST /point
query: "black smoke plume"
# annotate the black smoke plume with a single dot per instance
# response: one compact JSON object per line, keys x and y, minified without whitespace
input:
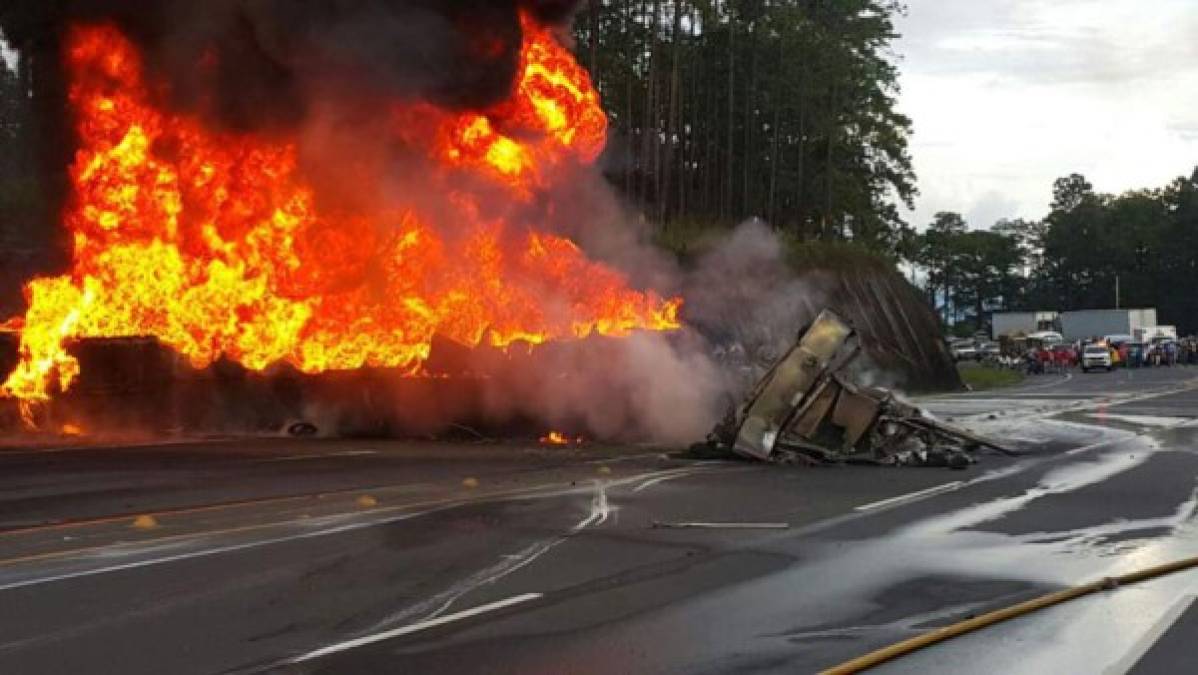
{"x":253,"y":65}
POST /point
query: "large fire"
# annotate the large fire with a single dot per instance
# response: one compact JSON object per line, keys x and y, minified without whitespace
{"x":212,"y":242}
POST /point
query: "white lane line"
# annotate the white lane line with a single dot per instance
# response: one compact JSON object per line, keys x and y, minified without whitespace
{"x":681,"y":473}
{"x":599,"y":513}
{"x":1099,"y":444}
{"x":911,"y":496}
{"x":699,"y":468}
{"x":1150,"y":637}
{"x":650,"y":483}
{"x":417,"y":627}
{"x":1142,"y":420}
{"x":600,"y":510}
{"x":203,"y":553}
{"x":720,"y":526}
{"x":1068,"y":376}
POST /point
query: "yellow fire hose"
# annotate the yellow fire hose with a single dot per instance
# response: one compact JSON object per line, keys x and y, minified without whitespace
{"x":932,"y":637}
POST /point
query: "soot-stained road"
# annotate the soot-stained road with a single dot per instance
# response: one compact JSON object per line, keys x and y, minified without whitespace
{"x":333,"y":556}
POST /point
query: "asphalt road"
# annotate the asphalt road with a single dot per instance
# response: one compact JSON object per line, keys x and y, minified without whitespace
{"x":334,"y":556}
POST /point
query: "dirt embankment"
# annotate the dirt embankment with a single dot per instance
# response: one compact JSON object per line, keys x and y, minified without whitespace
{"x":899,"y":333}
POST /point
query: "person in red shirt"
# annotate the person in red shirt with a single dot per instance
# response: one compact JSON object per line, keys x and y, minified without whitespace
{"x":1063,"y":358}
{"x":1046,"y":360}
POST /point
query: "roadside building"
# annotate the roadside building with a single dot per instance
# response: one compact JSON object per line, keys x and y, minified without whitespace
{"x":1087,"y":323}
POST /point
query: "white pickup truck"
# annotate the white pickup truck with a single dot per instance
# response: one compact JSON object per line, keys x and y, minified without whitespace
{"x":1096,"y":356}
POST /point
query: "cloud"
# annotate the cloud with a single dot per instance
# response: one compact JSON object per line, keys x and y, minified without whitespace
{"x":1053,"y":41}
{"x":1186,"y":130}
{"x":991,"y":207}
{"x":1008,"y":95}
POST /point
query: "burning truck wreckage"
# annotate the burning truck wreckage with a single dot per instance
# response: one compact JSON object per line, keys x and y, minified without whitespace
{"x":444,"y":277}
{"x":808,"y":408}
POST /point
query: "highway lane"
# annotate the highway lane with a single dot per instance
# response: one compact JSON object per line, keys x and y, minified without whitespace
{"x":444,"y":514}
{"x":525,"y":559}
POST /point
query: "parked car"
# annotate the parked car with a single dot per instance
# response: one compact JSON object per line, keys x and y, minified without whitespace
{"x":966,"y":353}
{"x":963,"y":351}
{"x":989,"y":350}
{"x":1096,"y":356}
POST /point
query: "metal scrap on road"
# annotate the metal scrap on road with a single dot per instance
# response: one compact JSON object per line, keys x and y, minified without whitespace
{"x":809,"y":408}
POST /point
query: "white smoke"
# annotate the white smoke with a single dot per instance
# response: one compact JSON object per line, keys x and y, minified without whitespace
{"x":654,"y":387}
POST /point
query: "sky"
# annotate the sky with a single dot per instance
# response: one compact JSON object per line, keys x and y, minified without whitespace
{"x":1008,"y":95}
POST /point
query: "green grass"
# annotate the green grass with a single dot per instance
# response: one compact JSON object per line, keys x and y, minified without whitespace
{"x":980,"y":378}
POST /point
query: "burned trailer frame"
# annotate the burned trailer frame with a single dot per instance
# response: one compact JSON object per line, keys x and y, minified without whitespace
{"x":807,"y":406}
{"x":787,"y":385}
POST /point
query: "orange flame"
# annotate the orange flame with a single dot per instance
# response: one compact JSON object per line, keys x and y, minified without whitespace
{"x":69,"y":429}
{"x":558,"y":438}
{"x":212,"y":241}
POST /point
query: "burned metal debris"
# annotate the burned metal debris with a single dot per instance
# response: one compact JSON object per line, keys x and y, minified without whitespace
{"x":808,"y":409}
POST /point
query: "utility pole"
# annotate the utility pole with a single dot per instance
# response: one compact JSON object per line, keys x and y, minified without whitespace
{"x":1116,"y":291}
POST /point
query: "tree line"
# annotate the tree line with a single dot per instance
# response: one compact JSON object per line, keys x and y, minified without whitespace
{"x":23,"y":211}
{"x":1092,"y":250}
{"x":18,"y":187}
{"x":784,"y":110}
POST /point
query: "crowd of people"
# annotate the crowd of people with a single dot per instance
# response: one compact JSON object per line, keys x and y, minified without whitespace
{"x":1064,"y":356}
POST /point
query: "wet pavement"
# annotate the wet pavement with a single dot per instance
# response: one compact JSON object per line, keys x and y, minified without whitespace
{"x":287,"y":555}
